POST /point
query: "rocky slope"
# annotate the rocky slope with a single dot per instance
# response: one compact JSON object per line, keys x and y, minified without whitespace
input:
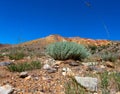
{"x":42,"y":42}
{"x":91,"y":76}
{"x":4,"y":45}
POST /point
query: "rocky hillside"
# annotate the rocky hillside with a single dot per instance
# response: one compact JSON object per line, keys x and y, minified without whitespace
{"x":4,"y":45}
{"x":42,"y":42}
{"x":26,"y":69}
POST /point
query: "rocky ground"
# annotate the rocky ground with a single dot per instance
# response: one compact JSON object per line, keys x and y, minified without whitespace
{"x":90,"y":76}
{"x":53,"y":75}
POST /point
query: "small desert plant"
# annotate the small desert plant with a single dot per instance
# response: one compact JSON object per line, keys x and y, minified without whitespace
{"x":116,"y":77}
{"x":104,"y":82}
{"x":16,"y":56}
{"x":72,"y":87}
{"x":67,"y":50}
{"x":24,"y":66}
{"x":109,"y":56}
{"x":92,"y":48}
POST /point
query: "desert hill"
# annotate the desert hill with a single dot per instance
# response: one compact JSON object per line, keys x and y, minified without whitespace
{"x":27,"y":69}
{"x":4,"y":45}
{"x":42,"y":42}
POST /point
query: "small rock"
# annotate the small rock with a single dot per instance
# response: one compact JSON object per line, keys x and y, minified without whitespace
{"x":90,"y":63}
{"x":110,"y":65}
{"x":88,"y":82}
{"x":102,"y":66}
{"x":28,"y":77}
{"x":74,"y":64}
{"x":28,"y":57}
{"x":94,"y":68}
{"x":23,"y":74}
{"x":50,"y":61}
{"x":68,"y":61}
{"x":5,"y":63}
{"x":52,"y":70}
{"x":6,"y":89}
{"x":46,"y":67}
{"x":67,"y":72}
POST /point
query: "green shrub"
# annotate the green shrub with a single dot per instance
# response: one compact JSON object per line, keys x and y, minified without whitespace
{"x":67,"y":50}
{"x":92,"y":48}
{"x":24,"y":66}
{"x":109,"y":57}
{"x":16,"y":56}
{"x":116,"y":77}
{"x":104,"y":82}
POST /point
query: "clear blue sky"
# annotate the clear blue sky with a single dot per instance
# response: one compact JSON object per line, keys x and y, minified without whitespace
{"x":24,"y":20}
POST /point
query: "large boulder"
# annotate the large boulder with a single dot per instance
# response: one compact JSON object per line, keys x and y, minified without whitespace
{"x":88,"y":82}
{"x":6,"y":89}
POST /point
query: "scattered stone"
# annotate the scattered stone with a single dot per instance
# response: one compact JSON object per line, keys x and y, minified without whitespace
{"x":52,"y":70}
{"x":23,"y":74}
{"x":46,"y":67}
{"x":94,"y":68}
{"x":102,"y":66}
{"x":5,"y":63}
{"x":6,"y":89}
{"x":28,"y":57}
{"x":110,"y":65}
{"x":68,"y":61}
{"x":50,"y":61}
{"x":74,"y":64}
{"x":67,"y":72}
{"x":90,"y":63}
{"x":88,"y":82}
{"x":28,"y":77}
{"x":56,"y":66}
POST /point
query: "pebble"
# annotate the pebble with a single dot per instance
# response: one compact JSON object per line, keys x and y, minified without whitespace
{"x":23,"y":74}
{"x":52,"y":70}
{"x":46,"y":67}
{"x":110,"y":65}
{"x":74,"y":64}
{"x":5,"y":63}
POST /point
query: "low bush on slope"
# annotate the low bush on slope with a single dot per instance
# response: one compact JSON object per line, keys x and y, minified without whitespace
{"x":67,"y":50}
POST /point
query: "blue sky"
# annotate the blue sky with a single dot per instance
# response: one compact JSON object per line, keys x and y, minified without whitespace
{"x":24,"y":20}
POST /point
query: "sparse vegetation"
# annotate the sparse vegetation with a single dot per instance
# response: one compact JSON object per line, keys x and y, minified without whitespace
{"x":116,"y":77}
{"x":92,"y":48}
{"x":72,"y":87}
{"x":24,"y":66}
{"x":109,"y":56}
{"x":67,"y":50}
{"x":16,"y":56}
{"x":104,"y":82}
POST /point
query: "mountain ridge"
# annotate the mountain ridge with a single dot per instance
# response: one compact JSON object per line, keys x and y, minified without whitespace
{"x":57,"y":38}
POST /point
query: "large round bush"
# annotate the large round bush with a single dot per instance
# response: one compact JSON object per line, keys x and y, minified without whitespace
{"x":67,"y":50}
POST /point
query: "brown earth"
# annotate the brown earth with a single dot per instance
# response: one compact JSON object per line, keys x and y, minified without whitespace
{"x":57,"y":38}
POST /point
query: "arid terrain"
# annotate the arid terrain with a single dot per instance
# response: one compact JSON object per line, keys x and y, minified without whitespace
{"x":26,"y":68}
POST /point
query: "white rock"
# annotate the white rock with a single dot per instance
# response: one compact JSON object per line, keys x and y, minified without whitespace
{"x":23,"y":74}
{"x":67,"y":72}
{"x":90,"y":63}
{"x":6,"y":89}
{"x":102,"y":66}
{"x":88,"y":82}
{"x":46,"y":67}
